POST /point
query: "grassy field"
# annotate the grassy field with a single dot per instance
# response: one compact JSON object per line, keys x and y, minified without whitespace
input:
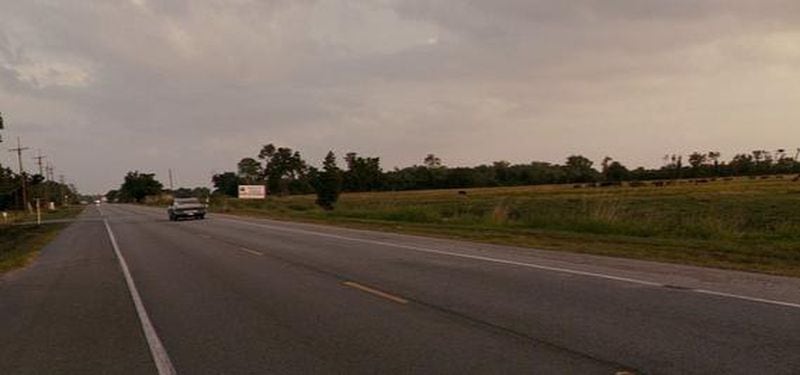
{"x":19,"y":244}
{"x":744,"y":224}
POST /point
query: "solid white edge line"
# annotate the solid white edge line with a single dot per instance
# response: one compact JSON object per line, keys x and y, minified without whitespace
{"x":752,"y":299}
{"x":510,"y":262}
{"x":157,"y":351}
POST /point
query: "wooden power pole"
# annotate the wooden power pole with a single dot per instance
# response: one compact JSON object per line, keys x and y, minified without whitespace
{"x":171,"y":186}
{"x":39,"y":162}
{"x":22,"y":177}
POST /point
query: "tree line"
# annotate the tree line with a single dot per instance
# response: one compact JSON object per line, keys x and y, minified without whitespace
{"x":285,"y":172}
{"x":36,"y":187}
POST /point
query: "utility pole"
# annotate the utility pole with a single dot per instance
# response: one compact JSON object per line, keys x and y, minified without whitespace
{"x":1,"y":127}
{"x":62,"y":181}
{"x":39,"y":162}
{"x":48,"y":169}
{"x":22,"y":177}
{"x":171,"y":187}
{"x":51,"y":172}
{"x":42,"y":195}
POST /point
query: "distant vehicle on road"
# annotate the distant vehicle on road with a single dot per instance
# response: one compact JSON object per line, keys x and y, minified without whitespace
{"x":186,"y":207}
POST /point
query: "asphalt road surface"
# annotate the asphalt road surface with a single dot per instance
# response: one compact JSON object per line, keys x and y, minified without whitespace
{"x":124,"y":290}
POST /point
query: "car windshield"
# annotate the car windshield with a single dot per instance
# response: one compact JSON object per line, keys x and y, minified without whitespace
{"x":184,"y":201}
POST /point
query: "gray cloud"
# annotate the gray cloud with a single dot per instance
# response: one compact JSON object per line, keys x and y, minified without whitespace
{"x":106,"y":87}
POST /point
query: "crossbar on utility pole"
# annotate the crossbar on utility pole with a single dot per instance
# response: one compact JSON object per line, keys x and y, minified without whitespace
{"x":22,"y":177}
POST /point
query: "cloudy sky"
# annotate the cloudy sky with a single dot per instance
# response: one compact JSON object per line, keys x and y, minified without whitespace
{"x":107,"y":86}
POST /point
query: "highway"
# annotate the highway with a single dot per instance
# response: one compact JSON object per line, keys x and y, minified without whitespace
{"x":125,"y":291}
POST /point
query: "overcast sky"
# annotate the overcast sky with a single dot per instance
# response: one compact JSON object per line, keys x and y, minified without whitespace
{"x":108,"y":86}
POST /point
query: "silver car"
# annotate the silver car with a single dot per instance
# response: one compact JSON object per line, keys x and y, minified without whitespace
{"x":186,"y":207}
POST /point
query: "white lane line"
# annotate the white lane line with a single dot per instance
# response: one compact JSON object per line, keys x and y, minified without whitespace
{"x":157,"y":351}
{"x":752,"y":299}
{"x":246,"y":250}
{"x":511,"y":262}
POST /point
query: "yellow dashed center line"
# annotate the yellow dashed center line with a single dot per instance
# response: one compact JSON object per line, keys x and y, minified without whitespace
{"x":375,"y":292}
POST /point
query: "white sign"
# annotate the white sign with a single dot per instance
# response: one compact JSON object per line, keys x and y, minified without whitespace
{"x":252,"y":192}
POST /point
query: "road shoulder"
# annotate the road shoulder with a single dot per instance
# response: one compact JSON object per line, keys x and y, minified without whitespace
{"x":70,"y":312}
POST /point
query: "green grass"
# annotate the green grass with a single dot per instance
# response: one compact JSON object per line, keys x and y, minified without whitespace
{"x":744,"y":224}
{"x":19,"y":244}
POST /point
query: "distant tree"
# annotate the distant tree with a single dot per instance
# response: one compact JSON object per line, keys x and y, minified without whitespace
{"x":714,"y":157}
{"x":604,"y":166}
{"x":617,"y":172}
{"x":182,"y":193}
{"x":328,"y":182}
{"x":763,"y":161}
{"x":579,"y":169}
{"x":742,"y":164}
{"x":697,"y":159}
{"x":674,"y":169}
{"x":137,"y":186}
{"x":363,"y":173}
{"x":201,"y":192}
{"x":461,"y":178}
{"x":614,"y":170}
{"x":285,"y":170}
{"x":784,"y":164}
{"x":605,"y":163}
{"x":198,"y":192}
{"x":433,"y":174}
{"x":112,"y":196}
{"x":250,"y":171}
{"x":762,"y":157}
{"x":432,"y":161}
{"x":226,"y":183}
{"x":698,"y":163}
{"x":546,"y":173}
{"x":502,"y":173}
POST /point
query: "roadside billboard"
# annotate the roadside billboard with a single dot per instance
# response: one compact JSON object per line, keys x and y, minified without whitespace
{"x":252,"y":192}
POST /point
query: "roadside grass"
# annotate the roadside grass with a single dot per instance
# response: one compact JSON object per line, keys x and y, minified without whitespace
{"x":20,"y":244}
{"x":742,"y":224}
